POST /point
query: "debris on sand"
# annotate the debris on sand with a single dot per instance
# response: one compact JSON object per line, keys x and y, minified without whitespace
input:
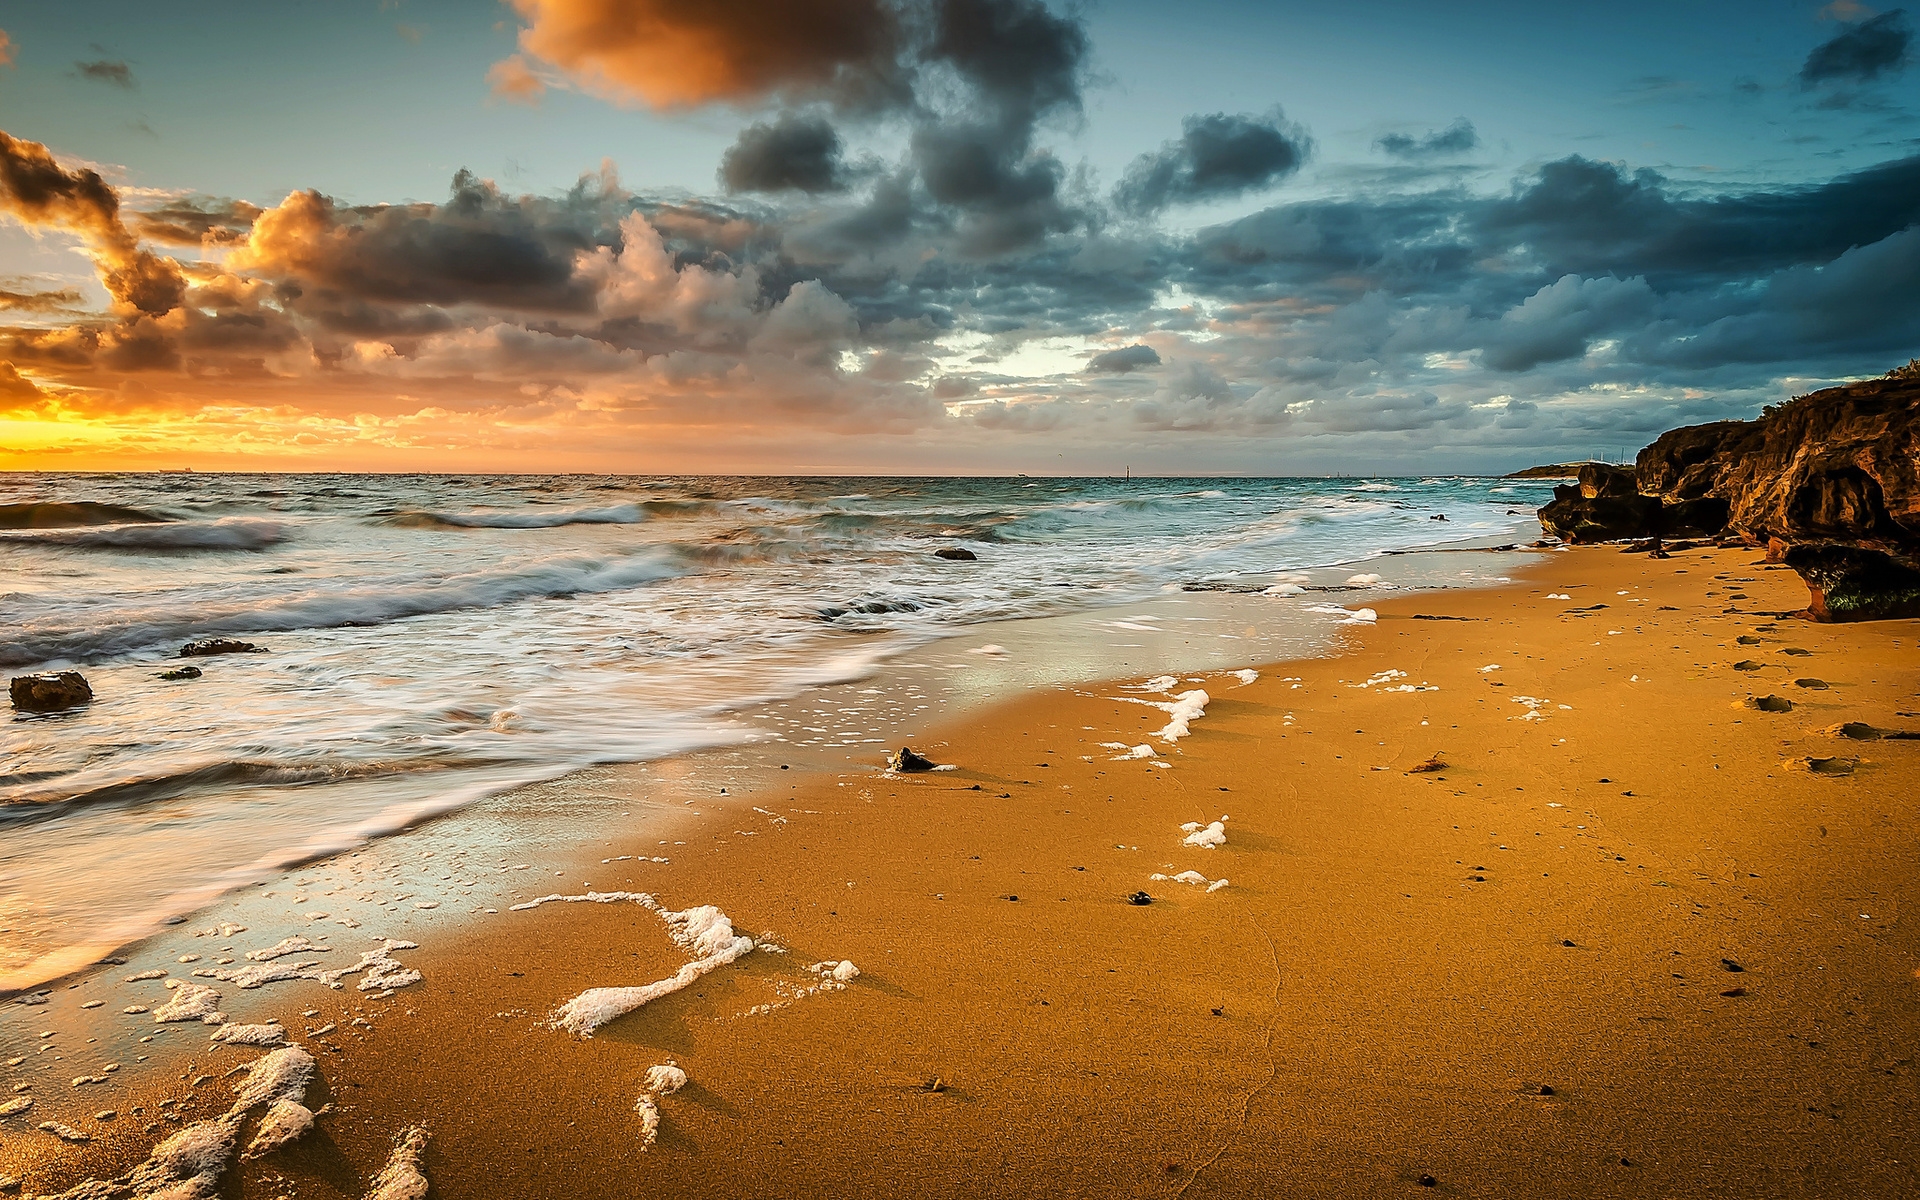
{"x":906,"y":761}
{"x":1432,"y":764}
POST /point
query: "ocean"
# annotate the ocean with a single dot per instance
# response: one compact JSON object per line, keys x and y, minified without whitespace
{"x":437,"y":639}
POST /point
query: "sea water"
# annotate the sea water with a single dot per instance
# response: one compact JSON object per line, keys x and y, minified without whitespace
{"x":434,"y":639}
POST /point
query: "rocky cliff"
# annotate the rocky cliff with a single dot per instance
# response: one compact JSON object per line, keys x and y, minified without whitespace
{"x":1830,"y":482}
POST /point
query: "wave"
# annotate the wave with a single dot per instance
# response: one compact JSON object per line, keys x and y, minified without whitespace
{"x":370,"y":604}
{"x":228,"y":533}
{"x":618,"y":514}
{"x":55,"y":514}
{"x":1375,"y":487}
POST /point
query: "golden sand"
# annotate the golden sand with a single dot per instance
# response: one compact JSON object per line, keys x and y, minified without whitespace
{"x":1625,"y":941}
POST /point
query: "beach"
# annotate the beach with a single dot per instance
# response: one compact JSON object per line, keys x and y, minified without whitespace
{"x":1631,"y":936}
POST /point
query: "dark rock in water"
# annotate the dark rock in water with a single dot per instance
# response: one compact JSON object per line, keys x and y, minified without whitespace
{"x":870,"y":607}
{"x":212,"y":646}
{"x":1771,"y":703}
{"x":1829,"y":482}
{"x":1854,"y":583}
{"x":907,"y":760}
{"x":182,"y":673}
{"x":51,"y":691}
{"x":955,"y":554}
{"x":56,"y":515}
{"x":1437,"y":517}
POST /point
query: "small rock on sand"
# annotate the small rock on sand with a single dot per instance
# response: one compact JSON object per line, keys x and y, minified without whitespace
{"x":1775,"y":704}
{"x":906,"y":760}
{"x":1812,"y":685}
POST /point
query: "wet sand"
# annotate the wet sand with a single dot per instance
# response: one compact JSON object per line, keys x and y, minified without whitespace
{"x":1513,"y":976}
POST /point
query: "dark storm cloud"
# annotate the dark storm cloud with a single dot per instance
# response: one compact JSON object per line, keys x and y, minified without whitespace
{"x":795,"y":153}
{"x":1592,"y":218}
{"x":1216,"y":157}
{"x":1128,"y":358}
{"x":480,"y":247}
{"x":1861,"y":52}
{"x":118,"y":74}
{"x":1457,"y":138}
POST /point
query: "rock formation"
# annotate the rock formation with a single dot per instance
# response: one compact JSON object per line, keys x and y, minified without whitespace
{"x":52,"y":691}
{"x":1829,"y":482}
{"x":1608,"y":504}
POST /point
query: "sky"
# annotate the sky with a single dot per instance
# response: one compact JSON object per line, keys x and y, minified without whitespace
{"x":939,"y":236}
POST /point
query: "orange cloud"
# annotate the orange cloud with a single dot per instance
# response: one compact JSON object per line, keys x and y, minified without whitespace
{"x":680,"y":53}
{"x":37,"y":191}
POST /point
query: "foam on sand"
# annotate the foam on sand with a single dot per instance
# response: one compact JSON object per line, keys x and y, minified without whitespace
{"x":188,"y":1165}
{"x":1245,"y":675}
{"x":190,"y":1002}
{"x":1209,"y":836}
{"x":402,"y":1178}
{"x":269,"y":1034}
{"x":661,"y":1081}
{"x":284,"y":1122}
{"x":703,"y":931}
{"x":1181,"y":711}
{"x":377,"y":968}
{"x":1190,"y":877}
{"x":297,"y":944}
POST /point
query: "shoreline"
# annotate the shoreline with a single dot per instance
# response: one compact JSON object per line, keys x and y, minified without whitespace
{"x":1044,"y":650}
{"x":1047,"y":1070}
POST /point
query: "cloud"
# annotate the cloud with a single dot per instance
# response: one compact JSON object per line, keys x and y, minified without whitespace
{"x":675,"y":54}
{"x":795,"y":153}
{"x":1216,"y":156}
{"x":1558,"y":321}
{"x":119,"y":74}
{"x":1457,"y":138}
{"x":480,"y":247}
{"x":36,"y":191}
{"x":16,"y":387}
{"x":1128,"y":358}
{"x":513,"y":79}
{"x":6,"y":49}
{"x":194,"y":222}
{"x":1860,"y":53}
{"x":34,"y":300}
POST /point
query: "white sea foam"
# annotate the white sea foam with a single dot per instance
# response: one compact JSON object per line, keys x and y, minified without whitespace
{"x":270,"y":1034}
{"x":1366,"y":581}
{"x":284,"y":1122}
{"x":1245,"y":675}
{"x":403,"y":1178}
{"x":617,"y":514}
{"x":661,"y":1081}
{"x":294,"y":945}
{"x":703,"y":931}
{"x":228,"y":533}
{"x":1208,"y":836}
{"x":189,"y":1002}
